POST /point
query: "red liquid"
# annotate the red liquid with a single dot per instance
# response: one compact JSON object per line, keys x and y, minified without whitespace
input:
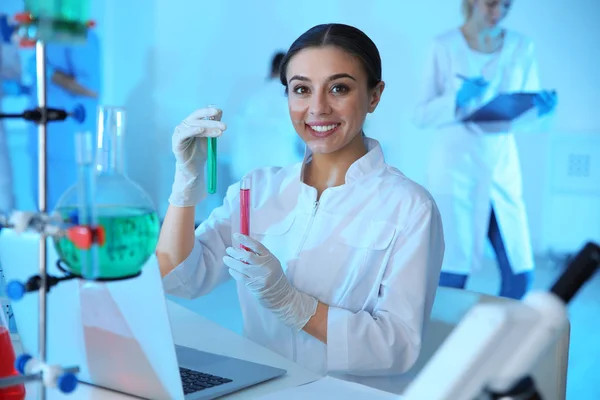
{"x":245,"y":212}
{"x":7,"y":367}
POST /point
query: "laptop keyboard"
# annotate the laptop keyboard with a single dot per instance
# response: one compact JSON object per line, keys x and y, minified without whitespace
{"x":194,"y":381}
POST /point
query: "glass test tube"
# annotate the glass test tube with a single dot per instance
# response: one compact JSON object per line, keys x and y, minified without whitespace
{"x":211,"y":163}
{"x":245,"y":186}
{"x":90,"y":267}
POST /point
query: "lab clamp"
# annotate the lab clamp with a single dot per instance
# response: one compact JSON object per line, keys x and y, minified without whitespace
{"x":41,"y":23}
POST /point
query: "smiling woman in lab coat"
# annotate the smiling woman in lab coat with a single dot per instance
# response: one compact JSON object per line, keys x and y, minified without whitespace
{"x":474,"y":173}
{"x":345,"y":251}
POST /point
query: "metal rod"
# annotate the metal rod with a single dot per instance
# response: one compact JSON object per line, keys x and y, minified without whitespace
{"x":20,"y":379}
{"x":10,"y":115}
{"x":40,"y":68}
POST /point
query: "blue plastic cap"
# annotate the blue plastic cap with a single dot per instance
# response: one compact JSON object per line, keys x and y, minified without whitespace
{"x":6,"y":29}
{"x":67,"y":382}
{"x":15,"y":290}
{"x":21,"y":361}
{"x":79,"y":113}
{"x":74,"y":217}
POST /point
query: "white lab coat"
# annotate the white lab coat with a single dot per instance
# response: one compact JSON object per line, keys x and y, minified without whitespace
{"x":371,"y":249}
{"x":262,"y":134}
{"x":10,"y":69}
{"x":474,"y":166}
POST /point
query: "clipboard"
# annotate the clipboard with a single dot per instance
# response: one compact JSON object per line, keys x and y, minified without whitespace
{"x":504,"y":107}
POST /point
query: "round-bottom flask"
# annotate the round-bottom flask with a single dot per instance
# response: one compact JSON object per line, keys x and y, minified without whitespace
{"x":119,"y":206}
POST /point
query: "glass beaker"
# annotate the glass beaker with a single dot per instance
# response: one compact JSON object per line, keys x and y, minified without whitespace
{"x":7,"y":363}
{"x":58,"y":21}
{"x":121,"y":207}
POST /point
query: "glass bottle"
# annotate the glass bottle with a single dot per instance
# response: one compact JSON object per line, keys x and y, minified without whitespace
{"x":120,"y":207}
{"x":7,"y":363}
{"x":57,"y":21}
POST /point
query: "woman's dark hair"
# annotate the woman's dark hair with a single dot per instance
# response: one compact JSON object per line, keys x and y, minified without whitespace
{"x":276,"y":63}
{"x":346,"y":37}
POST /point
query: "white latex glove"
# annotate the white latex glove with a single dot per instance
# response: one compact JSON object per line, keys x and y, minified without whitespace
{"x":261,"y":272}
{"x":189,"y":147}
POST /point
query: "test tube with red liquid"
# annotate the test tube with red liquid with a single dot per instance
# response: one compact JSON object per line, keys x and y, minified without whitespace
{"x":245,"y":186}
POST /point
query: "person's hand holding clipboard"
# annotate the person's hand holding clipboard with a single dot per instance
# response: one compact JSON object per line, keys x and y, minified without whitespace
{"x":509,"y":106}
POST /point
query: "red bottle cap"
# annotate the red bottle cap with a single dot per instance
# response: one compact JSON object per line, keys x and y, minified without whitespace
{"x":84,"y":236}
{"x":26,"y":43}
{"x":81,"y":236}
{"x":23,"y":17}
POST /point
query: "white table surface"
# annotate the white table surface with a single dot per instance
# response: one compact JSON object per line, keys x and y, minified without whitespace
{"x":193,"y":330}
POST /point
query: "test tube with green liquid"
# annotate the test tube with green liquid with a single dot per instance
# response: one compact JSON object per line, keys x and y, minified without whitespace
{"x":211,"y":164}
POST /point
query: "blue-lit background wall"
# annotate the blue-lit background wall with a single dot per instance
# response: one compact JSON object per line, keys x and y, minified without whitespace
{"x":164,"y":58}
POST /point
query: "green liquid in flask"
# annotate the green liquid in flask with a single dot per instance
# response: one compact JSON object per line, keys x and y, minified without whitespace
{"x":131,"y":235}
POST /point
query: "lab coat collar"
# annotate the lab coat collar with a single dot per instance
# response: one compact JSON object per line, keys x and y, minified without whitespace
{"x":371,"y":161}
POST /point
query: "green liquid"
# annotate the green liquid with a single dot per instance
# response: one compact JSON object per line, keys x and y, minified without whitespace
{"x":66,"y":19}
{"x":131,"y":235}
{"x":212,"y":165}
{"x":62,"y":27}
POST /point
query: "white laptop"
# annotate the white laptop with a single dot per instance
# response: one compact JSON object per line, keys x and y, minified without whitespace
{"x":118,"y":333}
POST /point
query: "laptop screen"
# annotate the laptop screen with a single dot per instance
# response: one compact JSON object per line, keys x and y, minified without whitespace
{"x":117,"y":333}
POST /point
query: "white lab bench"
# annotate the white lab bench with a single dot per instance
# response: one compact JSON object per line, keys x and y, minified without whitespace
{"x":192,"y":330}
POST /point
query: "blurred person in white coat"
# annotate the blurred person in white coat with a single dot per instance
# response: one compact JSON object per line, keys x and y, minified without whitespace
{"x":474,"y":172}
{"x":10,"y":71}
{"x":341,"y":262}
{"x":264,"y":136}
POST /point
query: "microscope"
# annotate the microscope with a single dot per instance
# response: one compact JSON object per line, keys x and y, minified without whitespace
{"x":491,"y":352}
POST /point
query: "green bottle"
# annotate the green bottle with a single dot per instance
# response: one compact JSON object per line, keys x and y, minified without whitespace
{"x":58,"y":20}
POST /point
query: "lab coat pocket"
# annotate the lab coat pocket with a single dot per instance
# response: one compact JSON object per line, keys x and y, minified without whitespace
{"x":263,"y":224}
{"x":366,"y":247}
{"x":272,"y":231}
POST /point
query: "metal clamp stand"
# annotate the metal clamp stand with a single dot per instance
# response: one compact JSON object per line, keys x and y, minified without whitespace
{"x":52,"y":114}
{"x":52,"y":376}
{"x":84,"y":236}
{"x":37,"y":369}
